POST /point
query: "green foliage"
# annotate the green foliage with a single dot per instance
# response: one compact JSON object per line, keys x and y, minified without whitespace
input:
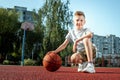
{"x":105,"y":63}
{"x":66,"y":52}
{"x":51,"y":24}
{"x":8,"y":20}
{"x":29,"y":62}
{"x":55,"y":17}
{"x":98,"y":62}
{"x":8,"y":27}
{"x":6,"y":62}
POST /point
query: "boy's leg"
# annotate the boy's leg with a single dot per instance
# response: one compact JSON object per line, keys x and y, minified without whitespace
{"x":88,"y":49}
{"x":76,"y":58}
{"x":84,"y":63}
{"x":89,"y":52}
{"x":81,"y":59}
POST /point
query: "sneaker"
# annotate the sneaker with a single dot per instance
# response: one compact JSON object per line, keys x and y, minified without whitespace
{"x":82,"y":66}
{"x":89,"y":68}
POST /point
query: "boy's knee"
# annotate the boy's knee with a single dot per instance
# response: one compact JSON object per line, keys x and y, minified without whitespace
{"x":86,"y":40}
{"x":76,"y":58}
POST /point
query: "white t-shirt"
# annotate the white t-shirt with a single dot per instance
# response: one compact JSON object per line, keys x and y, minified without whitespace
{"x":75,"y":34}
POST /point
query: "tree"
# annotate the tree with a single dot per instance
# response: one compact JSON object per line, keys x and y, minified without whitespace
{"x":8,"y":21}
{"x":54,"y":17}
{"x":8,"y":27}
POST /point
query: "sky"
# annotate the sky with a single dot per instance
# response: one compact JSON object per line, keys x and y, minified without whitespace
{"x":102,"y":16}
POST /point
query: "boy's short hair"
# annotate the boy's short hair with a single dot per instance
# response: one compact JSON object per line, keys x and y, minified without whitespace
{"x":79,"y":13}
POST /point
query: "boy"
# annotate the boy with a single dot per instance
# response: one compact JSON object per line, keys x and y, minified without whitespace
{"x":82,"y":46}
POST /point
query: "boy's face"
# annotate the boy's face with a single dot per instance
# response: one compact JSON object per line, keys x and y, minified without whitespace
{"x":79,"y":22}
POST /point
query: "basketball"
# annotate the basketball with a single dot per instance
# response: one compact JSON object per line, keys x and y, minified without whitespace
{"x":52,"y":61}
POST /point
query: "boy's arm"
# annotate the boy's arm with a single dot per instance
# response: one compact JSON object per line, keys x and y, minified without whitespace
{"x":88,"y":35}
{"x":62,"y":46}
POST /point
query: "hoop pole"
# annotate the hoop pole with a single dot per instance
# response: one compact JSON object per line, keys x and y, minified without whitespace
{"x":23,"y":47}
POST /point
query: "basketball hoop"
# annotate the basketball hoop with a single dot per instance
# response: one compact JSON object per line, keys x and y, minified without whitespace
{"x":27,"y":26}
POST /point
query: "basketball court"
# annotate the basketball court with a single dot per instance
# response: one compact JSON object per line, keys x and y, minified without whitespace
{"x":63,"y":73}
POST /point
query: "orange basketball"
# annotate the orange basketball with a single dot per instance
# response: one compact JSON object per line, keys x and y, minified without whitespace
{"x":52,"y":61}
